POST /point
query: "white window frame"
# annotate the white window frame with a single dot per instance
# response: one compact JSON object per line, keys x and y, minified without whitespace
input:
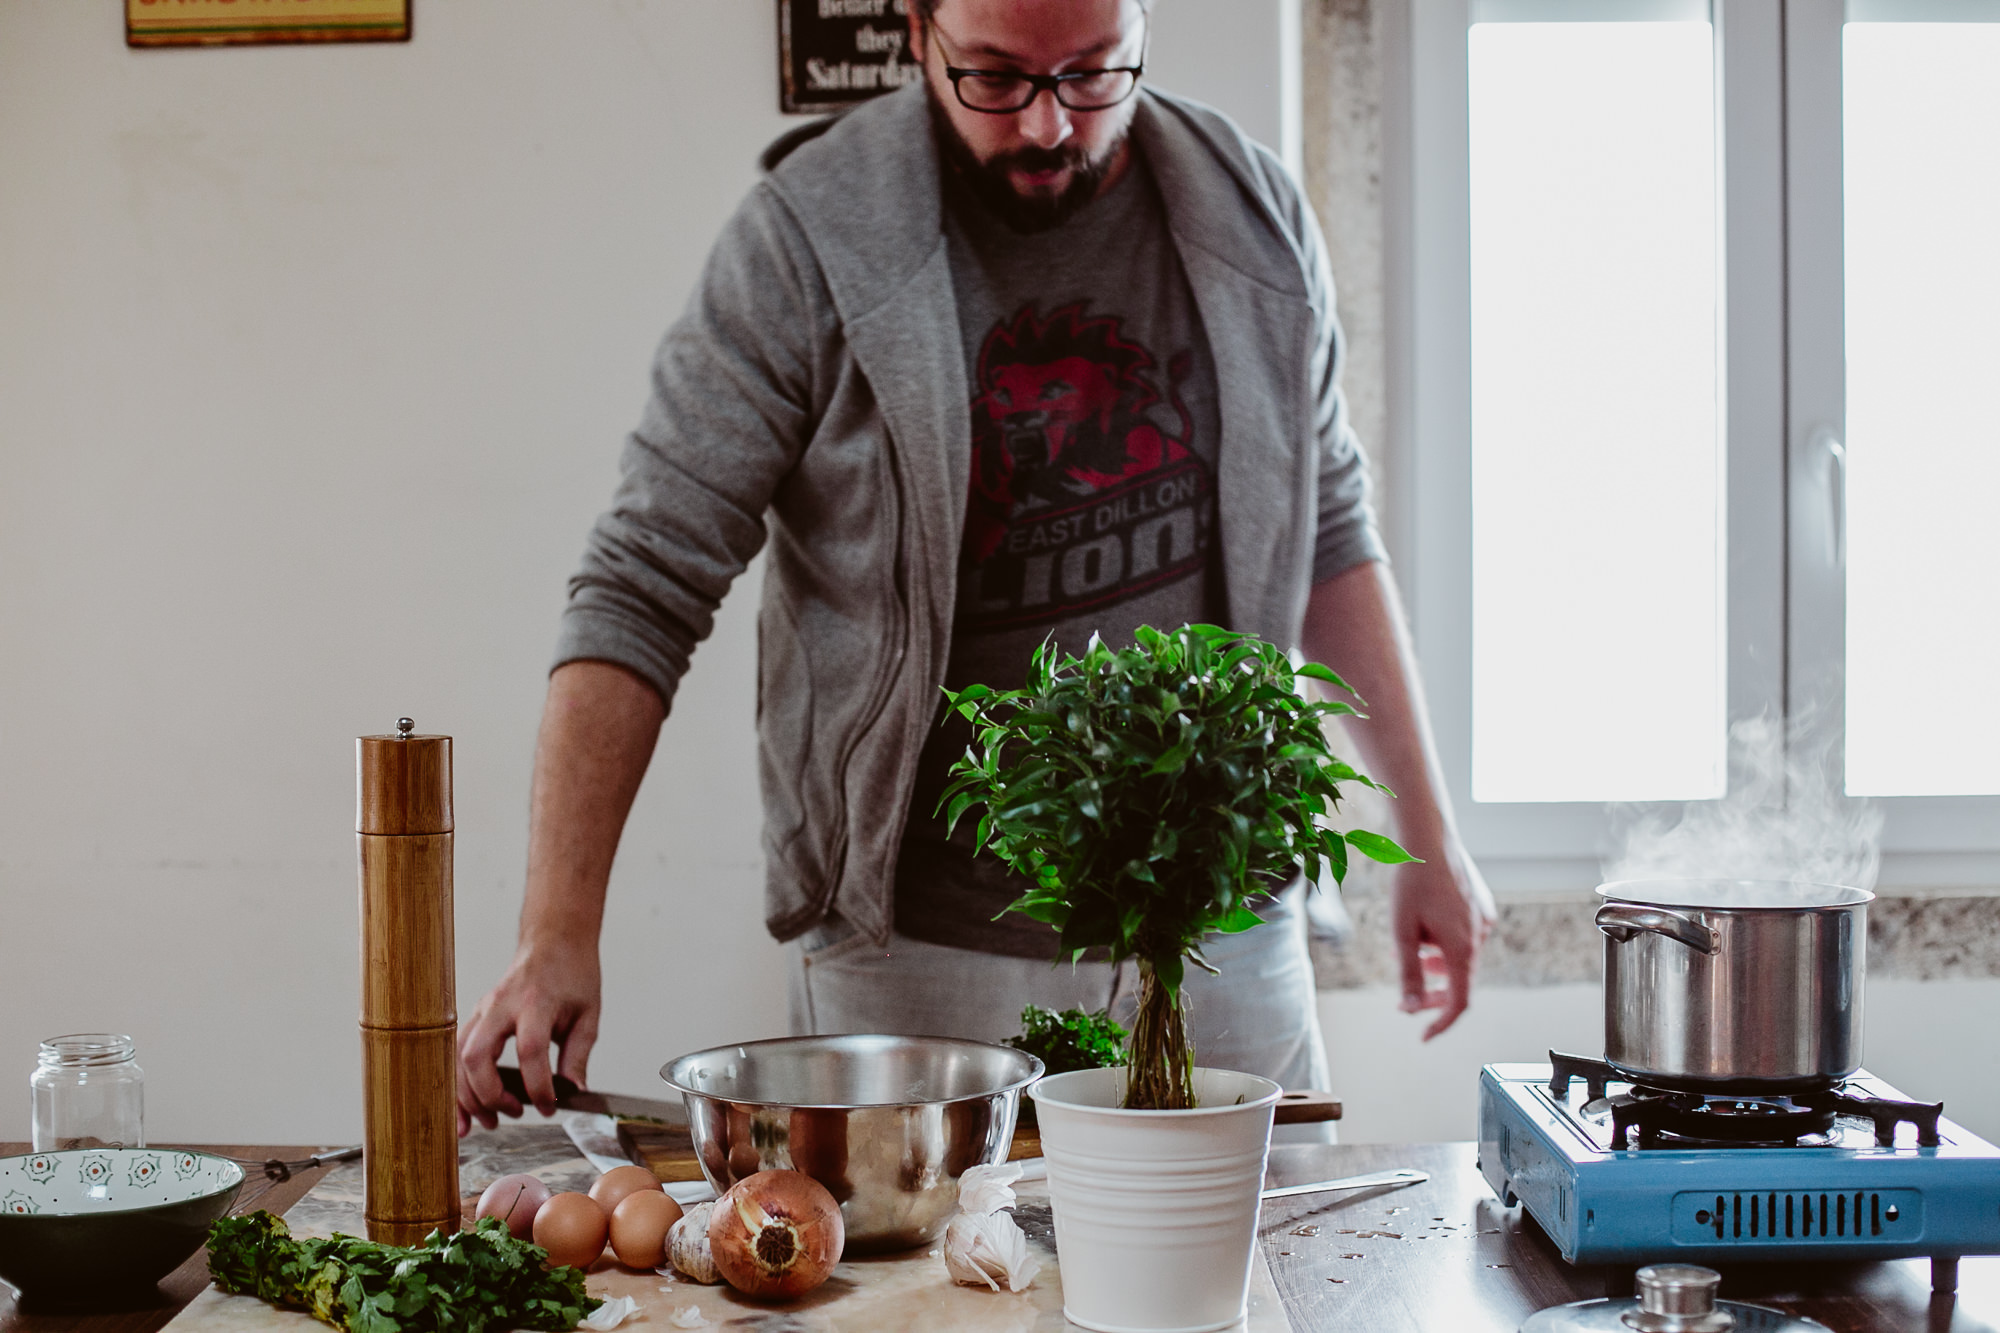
{"x":1779,"y":203}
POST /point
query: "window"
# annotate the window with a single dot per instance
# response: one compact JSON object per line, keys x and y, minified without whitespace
{"x":1920,"y":127}
{"x":1694,"y":302}
{"x":1597,"y":543}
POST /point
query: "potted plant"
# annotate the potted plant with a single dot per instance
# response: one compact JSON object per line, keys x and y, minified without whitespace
{"x":1152,"y":795}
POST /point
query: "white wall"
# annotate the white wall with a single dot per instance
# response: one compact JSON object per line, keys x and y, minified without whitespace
{"x":313,"y":367}
{"x":1239,"y":55}
{"x":315,"y":364}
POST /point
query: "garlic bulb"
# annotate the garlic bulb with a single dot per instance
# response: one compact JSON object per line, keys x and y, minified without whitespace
{"x":988,"y":1251}
{"x":687,"y":1245}
{"x":983,"y":1246}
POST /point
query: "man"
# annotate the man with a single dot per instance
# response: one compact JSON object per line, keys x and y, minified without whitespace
{"x":1133,"y":301}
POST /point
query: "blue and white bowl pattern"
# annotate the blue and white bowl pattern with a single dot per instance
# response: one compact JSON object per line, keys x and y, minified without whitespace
{"x":109,"y":1180}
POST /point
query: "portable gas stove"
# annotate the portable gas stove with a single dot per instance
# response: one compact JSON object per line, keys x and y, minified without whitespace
{"x":1623,"y":1174}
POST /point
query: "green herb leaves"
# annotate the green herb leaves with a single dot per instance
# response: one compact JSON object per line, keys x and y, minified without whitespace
{"x":473,"y":1281}
{"x":1070,"y":1040}
{"x":1154,"y":793}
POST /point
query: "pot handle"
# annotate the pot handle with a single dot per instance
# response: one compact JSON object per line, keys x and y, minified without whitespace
{"x":1621,"y":921}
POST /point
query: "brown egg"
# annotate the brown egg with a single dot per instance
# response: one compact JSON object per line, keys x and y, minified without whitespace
{"x":515,"y":1200}
{"x":639,"y":1228}
{"x":572,"y":1228}
{"x":612,"y":1187}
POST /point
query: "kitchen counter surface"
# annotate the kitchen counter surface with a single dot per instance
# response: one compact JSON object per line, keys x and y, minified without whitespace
{"x":1442,"y":1257}
{"x":1445,"y":1257}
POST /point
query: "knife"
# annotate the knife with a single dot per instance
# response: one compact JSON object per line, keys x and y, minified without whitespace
{"x":1395,"y":1179}
{"x":619,"y":1106}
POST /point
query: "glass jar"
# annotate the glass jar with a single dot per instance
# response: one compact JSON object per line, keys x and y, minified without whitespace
{"x":88,"y":1092}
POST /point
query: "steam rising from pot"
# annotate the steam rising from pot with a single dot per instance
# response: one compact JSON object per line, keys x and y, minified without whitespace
{"x":1786,"y":818}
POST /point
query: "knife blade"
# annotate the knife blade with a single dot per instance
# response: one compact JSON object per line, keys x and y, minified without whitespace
{"x":620,"y":1106}
{"x":1397,"y":1179}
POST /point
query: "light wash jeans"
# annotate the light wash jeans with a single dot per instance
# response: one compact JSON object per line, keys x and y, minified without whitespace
{"x":1260,"y":1015}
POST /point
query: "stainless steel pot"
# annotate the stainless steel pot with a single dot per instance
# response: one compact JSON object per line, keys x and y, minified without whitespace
{"x":888,"y":1124}
{"x":1733,"y":985}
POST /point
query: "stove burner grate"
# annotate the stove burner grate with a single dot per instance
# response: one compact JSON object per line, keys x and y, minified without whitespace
{"x":1663,"y":1118}
{"x":1731,"y":1122}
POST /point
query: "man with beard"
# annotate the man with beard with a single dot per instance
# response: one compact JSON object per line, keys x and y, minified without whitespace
{"x":1132,"y":300}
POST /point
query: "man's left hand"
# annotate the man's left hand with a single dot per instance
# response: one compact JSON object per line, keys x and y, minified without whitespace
{"x":1443,"y":913}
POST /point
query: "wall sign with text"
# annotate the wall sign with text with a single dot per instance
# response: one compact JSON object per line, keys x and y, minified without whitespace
{"x":252,"y":22}
{"x":834,"y":53}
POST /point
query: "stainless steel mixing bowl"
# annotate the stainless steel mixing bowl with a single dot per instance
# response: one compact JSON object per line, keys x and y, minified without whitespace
{"x":888,"y":1124}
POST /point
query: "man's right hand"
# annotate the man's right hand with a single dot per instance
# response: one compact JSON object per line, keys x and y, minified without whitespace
{"x":597,"y":736}
{"x":549,"y":994}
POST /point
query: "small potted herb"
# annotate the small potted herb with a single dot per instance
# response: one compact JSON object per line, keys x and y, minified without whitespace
{"x":1072,"y":1039}
{"x":1152,"y":795}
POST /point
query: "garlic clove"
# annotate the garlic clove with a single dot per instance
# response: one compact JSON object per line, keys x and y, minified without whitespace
{"x":988,"y":1189}
{"x":615,"y":1311}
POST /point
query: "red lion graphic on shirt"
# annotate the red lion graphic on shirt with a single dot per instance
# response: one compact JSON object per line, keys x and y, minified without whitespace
{"x":1062,"y":410}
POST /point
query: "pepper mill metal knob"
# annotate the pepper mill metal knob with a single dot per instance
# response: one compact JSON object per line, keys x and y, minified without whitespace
{"x":404,"y":726}
{"x":1679,"y":1298}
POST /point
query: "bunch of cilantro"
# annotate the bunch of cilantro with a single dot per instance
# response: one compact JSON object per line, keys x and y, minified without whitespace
{"x":472,"y":1281}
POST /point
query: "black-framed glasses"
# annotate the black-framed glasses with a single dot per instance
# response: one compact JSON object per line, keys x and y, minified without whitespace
{"x":999,"y":92}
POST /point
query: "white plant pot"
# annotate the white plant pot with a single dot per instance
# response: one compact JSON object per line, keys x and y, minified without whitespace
{"x":1155,"y":1211}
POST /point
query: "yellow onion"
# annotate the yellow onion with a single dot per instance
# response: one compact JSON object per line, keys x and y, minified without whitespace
{"x":776,"y":1235}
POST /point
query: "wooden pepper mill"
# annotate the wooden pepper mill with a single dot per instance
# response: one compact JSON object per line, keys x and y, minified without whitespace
{"x":409,"y":1009}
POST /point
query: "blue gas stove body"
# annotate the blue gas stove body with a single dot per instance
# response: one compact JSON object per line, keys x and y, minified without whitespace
{"x":1835,"y":1196}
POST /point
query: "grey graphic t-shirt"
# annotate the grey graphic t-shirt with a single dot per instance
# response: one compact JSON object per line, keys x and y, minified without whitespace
{"x":1092,"y":507}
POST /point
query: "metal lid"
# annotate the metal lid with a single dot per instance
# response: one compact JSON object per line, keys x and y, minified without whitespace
{"x":1734,"y":894}
{"x":1618,"y":1316}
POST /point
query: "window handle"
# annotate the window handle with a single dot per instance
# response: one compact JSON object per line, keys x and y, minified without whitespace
{"x":1826,"y":443}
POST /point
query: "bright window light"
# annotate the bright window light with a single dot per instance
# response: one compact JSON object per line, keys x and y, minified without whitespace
{"x":1922,"y":133}
{"x":1597,"y":481}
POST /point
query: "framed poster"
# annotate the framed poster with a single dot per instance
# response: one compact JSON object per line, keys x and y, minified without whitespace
{"x":834,"y":53}
{"x":255,"y":22}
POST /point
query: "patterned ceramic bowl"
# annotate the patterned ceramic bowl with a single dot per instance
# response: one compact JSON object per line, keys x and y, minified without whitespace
{"x":97,"y":1225}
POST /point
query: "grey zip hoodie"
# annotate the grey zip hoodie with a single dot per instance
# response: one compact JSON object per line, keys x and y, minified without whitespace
{"x":813,"y":395}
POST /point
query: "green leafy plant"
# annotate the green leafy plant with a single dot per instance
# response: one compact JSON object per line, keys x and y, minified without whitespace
{"x":1152,"y":794}
{"x":1070,"y":1040}
{"x":471,"y":1281}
